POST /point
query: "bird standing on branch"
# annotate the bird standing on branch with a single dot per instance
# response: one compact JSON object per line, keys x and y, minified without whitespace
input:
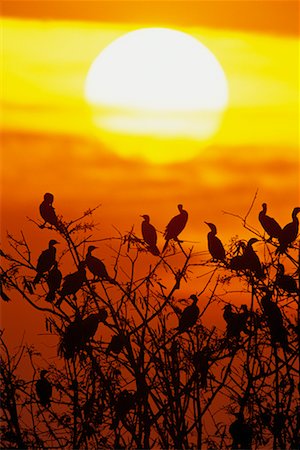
{"x":241,"y":433}
{"x":274,"y":320}
{"x":189,"y":315}
{"x":45,"y":260}
{"x":54,"y":281}
{"x":79,"y":332}
{"x":96,"y":266}
{"x":73,"y":282}
{"x":286,"y":282}
{"x":43,"y":389}
{"x":175,"y":226}
{"x":289,"y":233}
{"x":252,"y":260}
{"x":48,"y":212}
{"x":270,"y":225}
{"x":215,"y":246}
{"x":150,"y":235}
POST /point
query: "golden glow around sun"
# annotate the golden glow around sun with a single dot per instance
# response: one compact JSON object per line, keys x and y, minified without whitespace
{"x":159,"y":83}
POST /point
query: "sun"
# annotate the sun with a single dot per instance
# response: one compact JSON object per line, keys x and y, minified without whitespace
{"x":156,"y":85}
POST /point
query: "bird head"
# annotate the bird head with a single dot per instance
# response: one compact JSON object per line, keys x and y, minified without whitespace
{"x":212,"y":227}
{"x":102,"y":315}
{"x":43,"y":373}
{"x":227,"y":308}
{"x":264,"y":207}
{"x":244,"y":308}
{"x":48,"y":197}
{"x":146,"y":217}
{"x":91,"y":248}
{"x":53,"y":242}
{"x":180,"y":207}
{"x":252,"y":241}
{"x":194,"y":298}
{"x":295,"y":212}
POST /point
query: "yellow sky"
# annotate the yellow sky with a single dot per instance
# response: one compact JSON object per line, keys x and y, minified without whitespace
{"x":45,"y":65}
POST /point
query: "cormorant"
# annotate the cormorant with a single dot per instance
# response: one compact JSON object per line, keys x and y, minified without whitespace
{"x":275,"y":321}
{"x":175,"y":226}
{"x":270,"y":225}
{"x":286,"y":282}
{"x":241,"y":433}
{"x":150,"y":235}
{"x":125,"y":402}
{"x":215,"y":246}
{"x":189,"y":315}
{"x":73,"y":282}
{"x":116,"y":344}
{"x":289,"y":233}
{"x":96,"y":266}
{"x":45,"y":260}
{"x":201,"y":363}
{"x":252,"y":260}
{"x":236,"y":322}
{"x":238,"y":262}
{"x":79,"y":332}
{"x":47,"y":211}
{"x":54,"y":281}
{"x":43,"y":389}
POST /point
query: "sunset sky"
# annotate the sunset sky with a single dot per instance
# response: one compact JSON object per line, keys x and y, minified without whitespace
{"x":51,"y":143}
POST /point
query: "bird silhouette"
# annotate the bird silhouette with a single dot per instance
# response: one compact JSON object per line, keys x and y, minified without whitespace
{"x":125,"y":402}
{"x":96,"y":266}
{"x":72,"y":282}
{"x":270,"y":225}
{"x":43,"y":389}
{"x":241,"y":433}
{"x":201,"y":362}
{"x":274,"y":320}
{"x":175,"y":226}
{"x":286,"y":282}
{"x":54,"y":281}
{"x":79,"y":332}
{"x":116,"y":344}
{"x":289,"y":233}
{"x":45,"y":260}
{"x":48,"y":212}
{"x":150,"y":235}
{"x":251,"y":259}
{"x":215,"y":246}
{"x":235,"y":322}
{"x":189,"y":315}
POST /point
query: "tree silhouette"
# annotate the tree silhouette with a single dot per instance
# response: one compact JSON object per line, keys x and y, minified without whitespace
{"x":137,"y":365}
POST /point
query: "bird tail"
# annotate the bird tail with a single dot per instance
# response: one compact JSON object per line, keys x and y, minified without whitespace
{"x":154,"y":250}
{"x":50,"y":296}
{"x":37,"y":278}
{"x":165,"y":246}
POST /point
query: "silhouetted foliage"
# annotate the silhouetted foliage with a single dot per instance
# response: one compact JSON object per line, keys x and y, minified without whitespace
{"x":137,"y":365}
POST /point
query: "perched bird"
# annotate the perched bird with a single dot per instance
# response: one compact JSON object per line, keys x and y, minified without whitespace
{"x":73,"y":282}
{"x":54,"y":281}
{"x":238,"y":262}
{"x":270,"y":225}
{"x":116,"y":344}
{"x":286,"y":282}
{"x":150,"y":235}
{"x":215,"y":246}
{"x":289,"y":233}
{"x":241,"y":433}
{"x":45,"y":260}
{"x":79,"y":332}
{"x":125,"y":402}
{"x":275,"y":321}
{"x":251,"y":259}
{"x":201,"y":363}
{"x":47,"y":211}
{"x":96,"y":266}
{"x":43,"y":389}
{"x":175,"y":226}
{"x":189,"y":315}
{"x":236,"y":322}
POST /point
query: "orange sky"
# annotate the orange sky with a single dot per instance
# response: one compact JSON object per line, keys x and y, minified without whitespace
{"x":49,"y":143}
